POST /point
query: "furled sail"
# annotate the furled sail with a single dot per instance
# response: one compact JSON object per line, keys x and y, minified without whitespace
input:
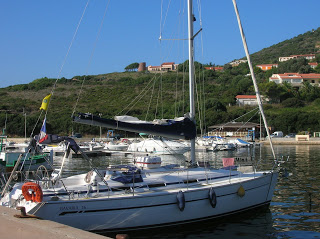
{"x":179,"y":128}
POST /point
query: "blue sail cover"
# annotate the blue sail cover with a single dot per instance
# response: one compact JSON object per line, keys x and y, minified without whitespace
{"x":183,"y":128}
{"x":53,"y":139}
{"x":133,"y":175}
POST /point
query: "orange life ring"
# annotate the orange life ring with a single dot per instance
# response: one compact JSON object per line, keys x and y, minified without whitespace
{"x":32,"y":192}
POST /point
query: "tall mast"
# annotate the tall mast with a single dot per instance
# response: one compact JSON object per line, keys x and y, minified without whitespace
{"x":253,"y":77}
{"x":191,"y":75}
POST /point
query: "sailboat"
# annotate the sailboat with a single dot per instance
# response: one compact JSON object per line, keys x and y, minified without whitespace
{"x":131,"y":197}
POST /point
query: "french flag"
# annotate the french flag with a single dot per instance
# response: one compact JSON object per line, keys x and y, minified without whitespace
{"x":43,"y":132}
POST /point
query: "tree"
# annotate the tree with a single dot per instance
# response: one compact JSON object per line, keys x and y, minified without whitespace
{"x":294,"y":65}
{"x":317,"y":69}
{"x":132,"y":67}
{"x":308,"y":92}
{"x":305,"y":69}
{"x":292,"y":103}
{"x":244,"y":85}
{"x":184,"y":67}
{"x":215,"y":105}
{"x":273,"y":91}
{"x":227,"y":67}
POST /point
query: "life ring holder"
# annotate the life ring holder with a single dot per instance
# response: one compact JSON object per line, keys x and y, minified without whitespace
{"x":125,"y":141}
{"x":32,"y":192}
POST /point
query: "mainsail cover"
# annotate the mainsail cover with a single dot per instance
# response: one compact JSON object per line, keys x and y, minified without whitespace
{"x":181,"y":128}
{"x":54,"y":139}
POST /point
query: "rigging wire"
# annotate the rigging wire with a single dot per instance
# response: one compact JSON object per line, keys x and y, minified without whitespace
{"x":165,"y":18}
{"x":180,"y":22}
{"x":174,"y":36}
{"x":151,"y":96}
{"x":200,"y":84}
{"x":161,"y":27}
{"x":202,"y":93}
{"x":253,"y":76}
{"x":235,"y":120}
{"x":62,"y":65}
{"x":91,"y":56}
{"x":247,"y":121}
{"x":68,"y":51}
{"x":156,"y":112}
{"x":138,"y":97}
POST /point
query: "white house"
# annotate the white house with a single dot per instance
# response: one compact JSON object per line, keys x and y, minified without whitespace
{"x":167,"y":66}
{"x":306,"y":56}
{"x":296,"y":79}
{"x":246,"y":100}
{"x":237,"y":62}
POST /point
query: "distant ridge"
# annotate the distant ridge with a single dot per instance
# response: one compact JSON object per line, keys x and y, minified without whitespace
{"x":306,"y":43}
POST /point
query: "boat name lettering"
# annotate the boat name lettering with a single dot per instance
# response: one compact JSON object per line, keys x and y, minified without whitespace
{"x":71,"y":208}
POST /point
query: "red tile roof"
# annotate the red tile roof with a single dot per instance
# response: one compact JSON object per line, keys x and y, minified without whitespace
{"x":167,"y":63}
{"x":246,"y":97}
{"x":297,"y":76}
{"x":267,"y":65}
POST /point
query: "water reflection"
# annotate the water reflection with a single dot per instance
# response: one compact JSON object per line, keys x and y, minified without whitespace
{"x":295,"y":205}
{"x":252,"y":224}
{"x":293,"y":213}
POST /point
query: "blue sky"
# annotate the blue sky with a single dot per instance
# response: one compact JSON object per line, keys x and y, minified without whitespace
{"x":36,"y":34}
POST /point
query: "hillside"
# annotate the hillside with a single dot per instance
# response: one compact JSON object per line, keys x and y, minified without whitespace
{"x":150,"y":96}
{"x":306,"y":43}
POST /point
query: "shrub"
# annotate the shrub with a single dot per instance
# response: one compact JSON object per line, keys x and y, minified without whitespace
{"x":292,"y":102}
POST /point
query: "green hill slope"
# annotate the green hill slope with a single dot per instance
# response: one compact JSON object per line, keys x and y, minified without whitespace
{"x":150,"y":96}
{"x":306,"y":43}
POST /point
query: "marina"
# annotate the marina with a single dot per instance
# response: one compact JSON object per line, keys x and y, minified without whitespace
{"x":172,"y":184}
{"x":293,"y":213}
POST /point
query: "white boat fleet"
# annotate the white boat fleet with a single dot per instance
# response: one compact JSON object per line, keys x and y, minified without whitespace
{"x":156,"y":145}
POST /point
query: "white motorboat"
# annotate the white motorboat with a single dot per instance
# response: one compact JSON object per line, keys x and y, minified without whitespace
{"x":91,"y":146}
{"x":116,"y":146}
{"x":159,"y":145}
{"x":61,"y":147}
{"x":240,"y":143}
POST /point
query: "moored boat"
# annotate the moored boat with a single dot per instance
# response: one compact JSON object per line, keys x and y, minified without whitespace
{"x":147,"y":194}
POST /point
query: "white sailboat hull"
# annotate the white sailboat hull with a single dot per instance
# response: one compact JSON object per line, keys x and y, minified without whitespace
{"x":158,"y":209}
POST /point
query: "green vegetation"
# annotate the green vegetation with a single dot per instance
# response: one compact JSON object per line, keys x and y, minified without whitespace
{"x":150,"y":96}
{"x":303,"y":44}
{"x":132,"y":67}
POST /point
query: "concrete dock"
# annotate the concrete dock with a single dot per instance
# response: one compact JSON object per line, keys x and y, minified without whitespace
{"x":12,"y":227}
{"x":292,"y":141}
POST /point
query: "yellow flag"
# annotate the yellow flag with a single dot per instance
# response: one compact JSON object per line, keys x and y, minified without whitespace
{"x":45,"y":102}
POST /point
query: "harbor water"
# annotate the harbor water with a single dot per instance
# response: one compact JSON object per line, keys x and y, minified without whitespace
{"x":294,"y":211}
